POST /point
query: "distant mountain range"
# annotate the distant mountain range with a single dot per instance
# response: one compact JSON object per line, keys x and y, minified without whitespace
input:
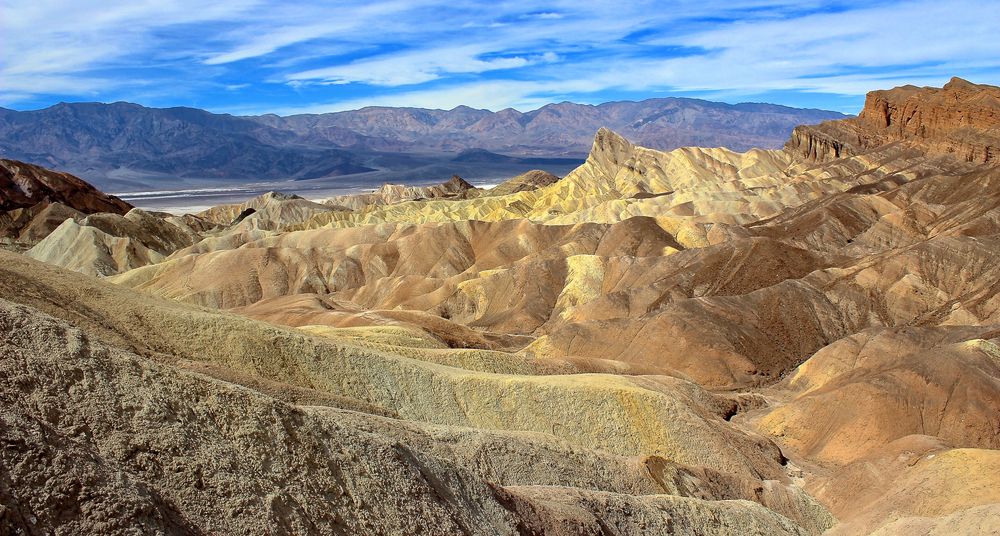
{"x":123,"y":143}
{"x":564,"y":129}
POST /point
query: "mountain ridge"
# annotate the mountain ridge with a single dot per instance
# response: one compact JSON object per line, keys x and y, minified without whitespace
{"x":617,"y":115}
{"x":121,"y":142}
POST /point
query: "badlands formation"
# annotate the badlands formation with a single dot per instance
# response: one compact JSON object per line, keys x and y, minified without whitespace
{"x":794,"y":341}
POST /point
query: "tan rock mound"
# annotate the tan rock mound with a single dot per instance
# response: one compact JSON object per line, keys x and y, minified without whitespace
{"x":531,"y":180}
{"x":950,"y":391}
{"x":390,"y":194}
{"x":915,"y":482}
{"x":268,"y":211}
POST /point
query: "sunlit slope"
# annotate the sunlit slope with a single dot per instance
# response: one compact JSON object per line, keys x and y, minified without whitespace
{"x":679,"y":187}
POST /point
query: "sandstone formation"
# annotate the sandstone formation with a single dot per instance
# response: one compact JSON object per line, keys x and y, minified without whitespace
{"x":697,"y":341}
{"x":959,"y":119}
{"x":267,"y":211}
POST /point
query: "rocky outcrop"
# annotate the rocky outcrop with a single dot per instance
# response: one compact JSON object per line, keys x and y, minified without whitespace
{"x":389,"y":194}
{"x":269,"y":211}
{"x":960,"y":120}
{"x":525,"y":182}
{"x":25,"y":185}
{"x":106,"y":244}
{"x":823,"y":143}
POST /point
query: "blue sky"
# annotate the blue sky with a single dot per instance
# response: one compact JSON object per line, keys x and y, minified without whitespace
{"x":261,"y":56}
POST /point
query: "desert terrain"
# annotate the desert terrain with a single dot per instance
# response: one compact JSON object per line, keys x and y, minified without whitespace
{"x":803,"y":340}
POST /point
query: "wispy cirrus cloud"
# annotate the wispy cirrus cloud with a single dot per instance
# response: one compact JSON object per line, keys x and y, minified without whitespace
{"x":263,"y":55}
{"x":420,"y":66}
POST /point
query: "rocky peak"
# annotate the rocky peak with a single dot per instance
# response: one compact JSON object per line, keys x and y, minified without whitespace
{"x":458,"y":184}
{"x":530,"y":180}
{"x":610,"y":148}
{"x":276,"y":196}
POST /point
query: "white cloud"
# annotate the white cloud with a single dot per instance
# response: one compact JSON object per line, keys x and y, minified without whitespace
{"x":290,"y":24}
{"x":419,"y":66}
{"x":53,"y":47}
{"x":490,"y":54}
{"x":493,"y":95}
{"x":845,"y":52}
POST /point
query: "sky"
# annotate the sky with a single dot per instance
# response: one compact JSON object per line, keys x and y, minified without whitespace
{"x":262,"y":56}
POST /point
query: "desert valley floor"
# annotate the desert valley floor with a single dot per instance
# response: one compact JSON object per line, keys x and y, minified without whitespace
{"x":794,"y":341}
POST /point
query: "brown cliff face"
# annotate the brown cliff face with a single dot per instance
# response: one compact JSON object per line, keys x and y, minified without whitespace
{"x":824,"y":142}
{"x":24,"y":185}
{"x":961,"y":119}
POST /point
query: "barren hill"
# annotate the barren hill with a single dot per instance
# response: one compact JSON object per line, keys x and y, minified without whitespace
{"x":35,"y":200}
{"x":25,"y":185}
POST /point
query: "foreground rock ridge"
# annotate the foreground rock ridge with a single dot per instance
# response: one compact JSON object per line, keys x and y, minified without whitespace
{"x":700,"y":341}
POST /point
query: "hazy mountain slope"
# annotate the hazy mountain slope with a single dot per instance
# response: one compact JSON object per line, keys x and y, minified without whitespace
{"x":95,"y":140}
{"x":567,"y":128}
{"x":127,"y":144}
